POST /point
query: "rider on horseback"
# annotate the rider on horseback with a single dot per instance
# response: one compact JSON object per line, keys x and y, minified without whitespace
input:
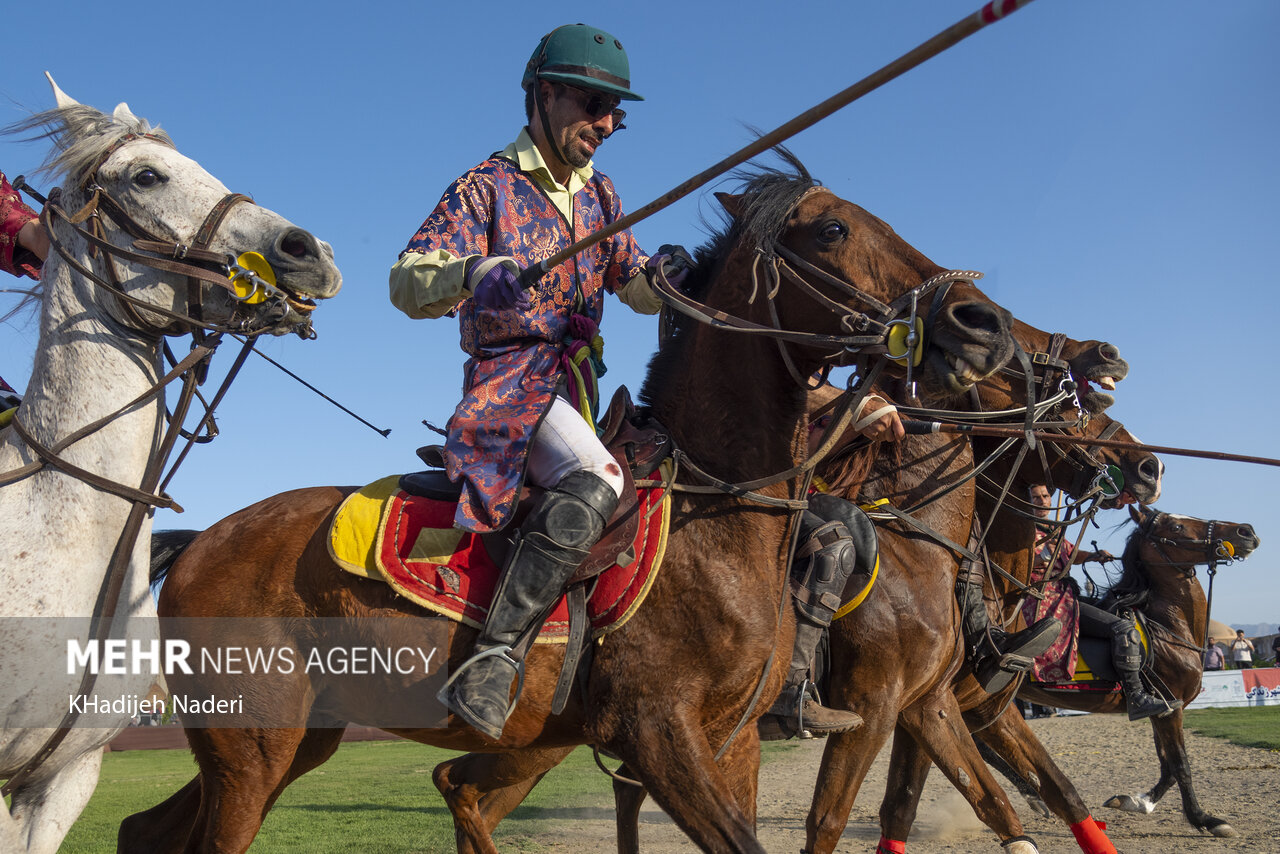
{"x":1126,"y":645}
{"x":524,"y":417}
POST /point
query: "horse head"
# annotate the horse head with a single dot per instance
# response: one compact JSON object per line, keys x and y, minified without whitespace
{"x":1170,"y":540}
{"x":161,"y":235}
{"x":849,"y":272}
{"x":1136,"y":473}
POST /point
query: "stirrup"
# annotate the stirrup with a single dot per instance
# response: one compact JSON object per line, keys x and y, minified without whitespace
{"x":503,"y":650}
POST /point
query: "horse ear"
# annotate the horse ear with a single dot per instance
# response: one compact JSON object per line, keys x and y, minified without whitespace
{"x":1135,"y":515}
{"x":733,"y":204}
{"x":123,"y":114}
{"x":61,"y":98}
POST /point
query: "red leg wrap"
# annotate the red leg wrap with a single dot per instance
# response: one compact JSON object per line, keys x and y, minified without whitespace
{"x":1091,"y":839}
{"x":891,"y":846}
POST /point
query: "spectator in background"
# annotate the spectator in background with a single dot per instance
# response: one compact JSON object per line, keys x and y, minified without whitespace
{"x":1242,"y":651}
{"x":1275,"y":650}
{"x":1213,"y":659}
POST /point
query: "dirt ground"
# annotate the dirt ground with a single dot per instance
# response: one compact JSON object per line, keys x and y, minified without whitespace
{"x":1102,"y":754}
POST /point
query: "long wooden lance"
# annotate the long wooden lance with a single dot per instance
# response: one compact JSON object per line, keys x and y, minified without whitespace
{"x":988,"y":14}
{"x":921,"y":427}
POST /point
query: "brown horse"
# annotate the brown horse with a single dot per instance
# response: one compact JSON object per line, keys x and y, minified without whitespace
{"x":897,"y":657}
{"x":876,"y":670}
{"x":1159,"y":568}
{"x":912,"y":753}
{"x":667,"y":690}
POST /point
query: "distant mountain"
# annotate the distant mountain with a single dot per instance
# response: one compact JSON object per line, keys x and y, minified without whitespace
{"x":1253,"y":630}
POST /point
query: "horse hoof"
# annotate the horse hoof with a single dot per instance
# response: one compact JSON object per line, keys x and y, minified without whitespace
{"x":1131,"y":803}
{"x":1224,"y":831}
{"x":1020,"y":845}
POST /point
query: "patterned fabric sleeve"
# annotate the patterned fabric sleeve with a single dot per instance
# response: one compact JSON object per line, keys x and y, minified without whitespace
{"x":13,"y":216}
{"x":627,"y":259}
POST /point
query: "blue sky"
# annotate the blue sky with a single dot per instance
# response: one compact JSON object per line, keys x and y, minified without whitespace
{"x":1111,"y":168}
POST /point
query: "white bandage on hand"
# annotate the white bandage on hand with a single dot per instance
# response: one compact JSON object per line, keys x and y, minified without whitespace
{"x":884,"y":408}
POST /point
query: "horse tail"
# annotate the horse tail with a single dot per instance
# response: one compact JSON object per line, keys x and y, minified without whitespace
{"x":166,"y":547}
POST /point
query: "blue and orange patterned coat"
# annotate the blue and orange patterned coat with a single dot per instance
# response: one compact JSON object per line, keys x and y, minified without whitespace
{"x":511,"y":378}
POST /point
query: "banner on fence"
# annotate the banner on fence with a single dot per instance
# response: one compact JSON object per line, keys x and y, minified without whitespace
{"x":1226,"y":688}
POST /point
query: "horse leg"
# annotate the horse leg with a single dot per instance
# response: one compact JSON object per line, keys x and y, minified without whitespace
{"x":163,"y":829}
{"x":242,"y":773}
{"x":1016,"y":746}
{"x":845,"y":762}
{"x":908,"y":768}
{"x":480,"y":789}
{"x":1172,"y":749}
{"x":627,"y":800}
{"x":168,"y":827}
{"x":44,"y":809}
{"x":937,"y":726}
{"x":671,"y":756}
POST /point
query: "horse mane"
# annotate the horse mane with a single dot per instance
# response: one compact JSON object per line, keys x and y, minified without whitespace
{"x":1133,"y":585}
{"x":81,"y":137}
{"x":770,"y":196}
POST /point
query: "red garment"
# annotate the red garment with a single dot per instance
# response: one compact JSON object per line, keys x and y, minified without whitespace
{"x":1058,"y":662}
{"x":13,"y":216}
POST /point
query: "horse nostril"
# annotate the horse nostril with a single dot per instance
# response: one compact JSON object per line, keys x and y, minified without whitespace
{"x":1246,"y":532}
{"x":1150,"y":469}
{"x":979,"y":317}
{"x":1109,"y":352}
{"x":297,"y":243}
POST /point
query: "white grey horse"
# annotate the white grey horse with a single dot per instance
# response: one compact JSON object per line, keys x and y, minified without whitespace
{"x":99,"y":350}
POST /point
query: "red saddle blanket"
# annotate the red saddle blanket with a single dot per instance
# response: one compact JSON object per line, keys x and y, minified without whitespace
{"x":408,"y":541}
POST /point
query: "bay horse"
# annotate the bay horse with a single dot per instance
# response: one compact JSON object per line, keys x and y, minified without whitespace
{"x":914,"y":748}
{"x":1159,"y":564}
{"x":876,"y":670}
{"x":90,"y":424}
{"x":666,"y":691}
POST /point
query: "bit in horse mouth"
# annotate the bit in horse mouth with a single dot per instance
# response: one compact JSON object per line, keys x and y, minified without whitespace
{"x":299,"y":304}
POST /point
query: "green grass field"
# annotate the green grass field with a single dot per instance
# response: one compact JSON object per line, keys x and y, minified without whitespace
{"x":1252,"y":727}
{"x":372,"y":796}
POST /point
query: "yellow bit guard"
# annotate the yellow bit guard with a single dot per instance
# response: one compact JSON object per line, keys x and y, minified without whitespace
{"x":246,"y":287}
{"x":898,"y":343}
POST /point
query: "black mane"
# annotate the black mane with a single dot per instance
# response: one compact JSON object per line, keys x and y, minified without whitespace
{"x":771,"y":195}
{"x":1134,"y":584}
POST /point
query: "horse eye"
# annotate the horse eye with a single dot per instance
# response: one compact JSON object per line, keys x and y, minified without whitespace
{"x":147,"y":178}
{"x":832,"y":232}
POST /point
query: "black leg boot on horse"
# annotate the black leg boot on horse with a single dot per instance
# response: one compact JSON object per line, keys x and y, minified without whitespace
{"x":1126,"y":655}
{"x":995,"y":656}
{"x":551,"y":544}
{"x":822,"y":567}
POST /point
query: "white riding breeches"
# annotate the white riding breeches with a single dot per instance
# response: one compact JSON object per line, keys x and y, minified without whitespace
{"x":565,"y":443}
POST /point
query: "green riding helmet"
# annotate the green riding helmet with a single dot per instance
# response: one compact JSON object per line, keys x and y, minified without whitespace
{"x":582,"y":56}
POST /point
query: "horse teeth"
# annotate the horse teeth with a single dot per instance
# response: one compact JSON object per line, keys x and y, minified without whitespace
{"x":1109,"y":383}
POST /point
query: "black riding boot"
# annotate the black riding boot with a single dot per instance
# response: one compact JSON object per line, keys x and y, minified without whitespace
{"x":550,"y":545}
{"x":996,"y":656}
{"x":822,"y":567}
{"x":1126,"y":654}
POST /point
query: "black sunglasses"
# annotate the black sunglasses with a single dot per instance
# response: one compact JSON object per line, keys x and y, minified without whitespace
{"x":597,"y":105}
